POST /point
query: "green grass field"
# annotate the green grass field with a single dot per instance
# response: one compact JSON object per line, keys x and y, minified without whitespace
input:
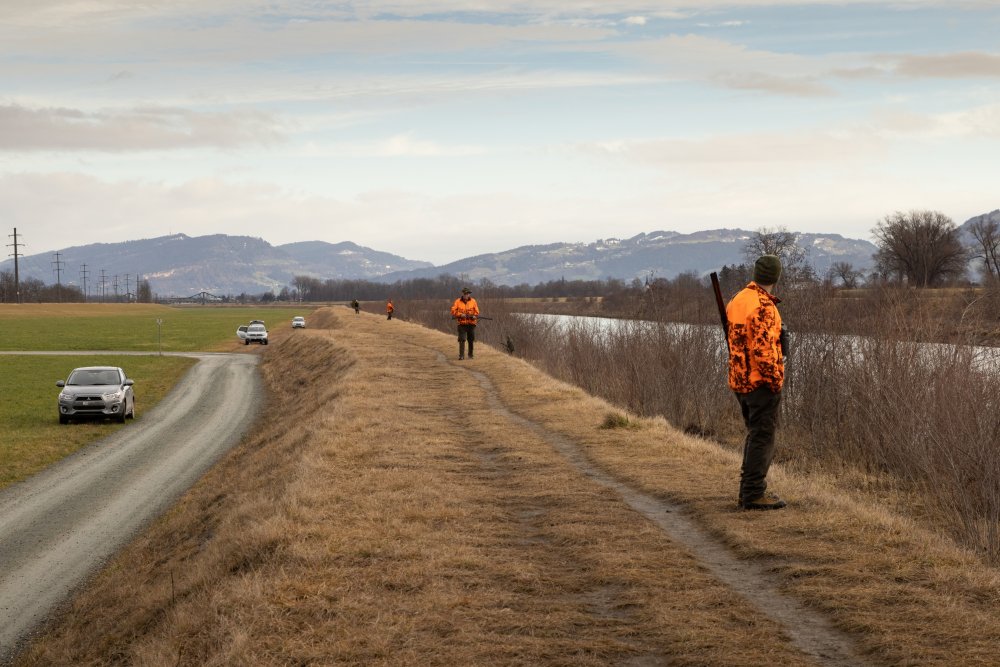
{"x":32,"y":437}
{"x":131,"y":326}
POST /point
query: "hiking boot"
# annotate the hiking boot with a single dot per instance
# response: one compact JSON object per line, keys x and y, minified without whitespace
{"x":768,"y":501}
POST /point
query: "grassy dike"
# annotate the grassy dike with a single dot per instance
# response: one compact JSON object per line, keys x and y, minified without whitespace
{"x":385,"y":512}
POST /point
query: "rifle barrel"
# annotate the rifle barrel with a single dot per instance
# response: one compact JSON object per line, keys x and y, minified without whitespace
{"x":722,"y":307}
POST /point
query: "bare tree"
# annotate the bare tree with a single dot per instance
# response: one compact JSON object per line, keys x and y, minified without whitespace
{"x":845,"y":273}
{"x":923,"y":248}
{"x":986,"y":231}
{"x":785,"y":244}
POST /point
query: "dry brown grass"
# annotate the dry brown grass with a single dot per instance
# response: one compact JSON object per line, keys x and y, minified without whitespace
{"x":383,"y":513}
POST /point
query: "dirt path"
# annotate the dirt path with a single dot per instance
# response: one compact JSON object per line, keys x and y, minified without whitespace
{"x":59,"y":526}
{"x":812,"y":633}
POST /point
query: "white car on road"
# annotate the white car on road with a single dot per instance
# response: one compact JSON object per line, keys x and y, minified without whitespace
{"x":256,"y":333}
{"x":298,"y":322}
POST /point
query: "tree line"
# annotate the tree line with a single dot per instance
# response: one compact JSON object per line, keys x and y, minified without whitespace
{"x":447,"y":286}
{"x":33,"y":290}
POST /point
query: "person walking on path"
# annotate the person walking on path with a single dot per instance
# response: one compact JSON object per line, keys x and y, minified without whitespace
{"x":388,"y":309}
{"x":356,"y":306}
{"x":466,"y":311}
{"x":756,"y":375}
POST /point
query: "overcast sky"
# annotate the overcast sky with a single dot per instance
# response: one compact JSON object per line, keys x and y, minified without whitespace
{"x":441,"y":129}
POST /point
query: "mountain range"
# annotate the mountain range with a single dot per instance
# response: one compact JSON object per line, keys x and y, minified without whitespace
{"x":181,"y":265}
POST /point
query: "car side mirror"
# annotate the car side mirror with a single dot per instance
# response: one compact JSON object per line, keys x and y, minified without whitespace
{"x":129,"y":382}
{"x":60,"y":383}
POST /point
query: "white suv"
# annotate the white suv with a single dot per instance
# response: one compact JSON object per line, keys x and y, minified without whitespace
{"x":256,"y":333}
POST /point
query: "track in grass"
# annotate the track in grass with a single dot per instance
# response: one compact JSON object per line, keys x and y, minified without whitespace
{"x":812,"y":633}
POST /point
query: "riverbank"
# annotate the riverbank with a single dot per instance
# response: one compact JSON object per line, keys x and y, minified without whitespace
{"x":399,"y":507}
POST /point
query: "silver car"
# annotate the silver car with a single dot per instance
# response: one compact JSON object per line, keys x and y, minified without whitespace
{"x":96,"y":392}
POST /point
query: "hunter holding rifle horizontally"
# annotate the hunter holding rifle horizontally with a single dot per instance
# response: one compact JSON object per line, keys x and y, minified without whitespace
{"x":756,"y":375}
{"x":466,"y":311}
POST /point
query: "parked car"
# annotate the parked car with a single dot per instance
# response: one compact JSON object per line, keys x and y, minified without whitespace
{"x":256,"y":333}
{"x":241,"y":332}
{"x":96,"y":392}
{"x":298,"y":322}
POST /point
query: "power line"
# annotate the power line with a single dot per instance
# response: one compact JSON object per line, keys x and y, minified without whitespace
{"x":58,"y":269}
{"x":17,"y":275}
{"x":83,"y":279}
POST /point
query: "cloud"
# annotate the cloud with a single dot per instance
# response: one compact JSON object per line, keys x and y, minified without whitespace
{"x":770,"y":83}
{"x":724,"y":63}
{"x":784,"y":148}
{"x":138,"y":129}
{"x":977,"y":123}
{"x":950,"y":66}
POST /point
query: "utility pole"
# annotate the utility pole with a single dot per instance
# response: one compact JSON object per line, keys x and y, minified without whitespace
{"x":17,"y":275}
{"x":128,"y":289}
{"x":104,"y":286}
{"x":58,"y":269}
{"x":83,"y":279}
{"x":114,"y":284}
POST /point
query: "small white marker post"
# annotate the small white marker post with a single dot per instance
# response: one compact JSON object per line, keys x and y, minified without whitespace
{"x":159,"y":344}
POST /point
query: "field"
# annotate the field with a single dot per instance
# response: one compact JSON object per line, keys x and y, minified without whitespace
{"x":133,"y":326}
{"x":33,"y":438}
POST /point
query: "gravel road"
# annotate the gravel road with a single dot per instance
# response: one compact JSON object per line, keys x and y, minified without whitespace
{"x":57,"y":527}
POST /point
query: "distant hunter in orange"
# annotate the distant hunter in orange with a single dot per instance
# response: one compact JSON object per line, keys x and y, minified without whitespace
{"x":389,"y":308}
{"x":466,"y":311}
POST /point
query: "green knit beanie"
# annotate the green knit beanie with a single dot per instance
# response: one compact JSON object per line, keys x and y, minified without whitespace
{"x":767,"y":270}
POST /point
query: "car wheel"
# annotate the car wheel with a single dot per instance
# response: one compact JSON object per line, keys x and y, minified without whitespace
{"x":63,"y":419}
{"x":131,"y":413}
{"x":120,"y":417}
{"x":265,"y":342}
{"x":246,"y":341}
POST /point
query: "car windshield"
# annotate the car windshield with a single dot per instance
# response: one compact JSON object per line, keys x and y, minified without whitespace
{"x":256,"y":327}
{"x":87,"y":378}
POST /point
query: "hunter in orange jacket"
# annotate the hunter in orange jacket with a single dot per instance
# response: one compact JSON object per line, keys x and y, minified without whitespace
{"x":754,"y":341}
{"x":466,"y":311}
{"x":756,"y":375}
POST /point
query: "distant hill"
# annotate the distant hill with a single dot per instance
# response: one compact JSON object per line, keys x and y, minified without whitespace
{"x":660,"y":254}
{"x":181,"y":265}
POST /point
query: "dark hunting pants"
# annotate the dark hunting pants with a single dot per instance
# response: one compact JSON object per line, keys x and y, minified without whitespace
{"x":760,"y":414}
{"x":466,"y":331}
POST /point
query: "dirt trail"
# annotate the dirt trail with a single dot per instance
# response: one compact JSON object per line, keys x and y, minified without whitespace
{"x":812,"y":633}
